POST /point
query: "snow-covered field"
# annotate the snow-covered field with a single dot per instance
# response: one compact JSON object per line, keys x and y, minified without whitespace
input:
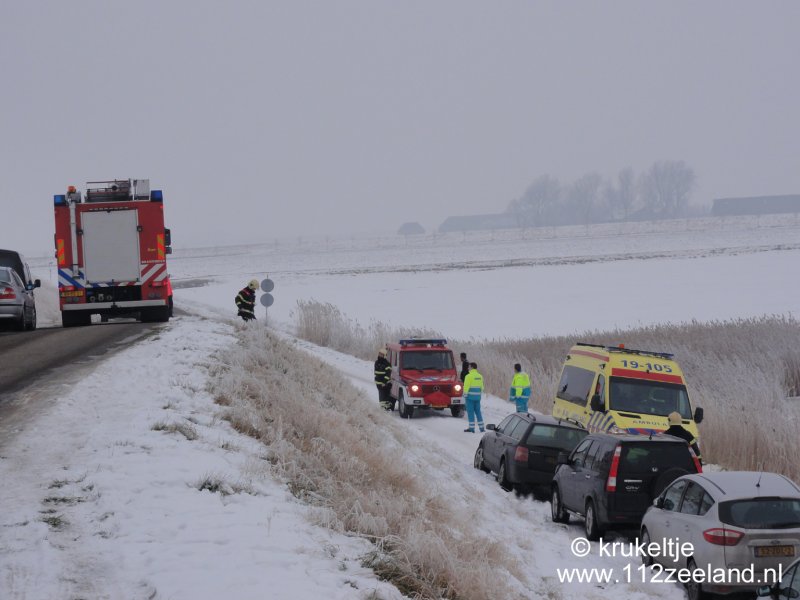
{"x":102,"y":495}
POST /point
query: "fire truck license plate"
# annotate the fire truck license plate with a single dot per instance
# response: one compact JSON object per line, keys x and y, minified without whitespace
{"x":71,"y":294}
{"x":774,"y":551}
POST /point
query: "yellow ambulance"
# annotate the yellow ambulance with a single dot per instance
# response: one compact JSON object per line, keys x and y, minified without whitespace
{"x":615,"y":389}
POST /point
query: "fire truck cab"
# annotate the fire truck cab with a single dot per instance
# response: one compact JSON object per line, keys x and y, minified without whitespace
{"x":424,"y":376}
{"x":111,"y":248}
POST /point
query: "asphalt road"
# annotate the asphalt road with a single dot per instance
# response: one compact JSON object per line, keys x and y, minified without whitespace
{"x":36,"y":365}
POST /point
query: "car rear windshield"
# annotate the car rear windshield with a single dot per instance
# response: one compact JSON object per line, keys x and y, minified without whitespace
{"x":648,"y":397}
{"x":655,"y":457}
{"x":761,"y":513}
{"x":553,"y":436}
{"x":436,"y":360}
{"x":5,"y":276}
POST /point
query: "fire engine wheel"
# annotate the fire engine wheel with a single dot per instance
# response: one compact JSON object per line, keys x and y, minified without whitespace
{"x":406,"y":412}
{"x":155,"y":315}
{"x":457,"y":411}
{"x":80,"y":319}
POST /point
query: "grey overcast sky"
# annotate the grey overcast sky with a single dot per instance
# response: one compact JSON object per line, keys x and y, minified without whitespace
{"x":264,"y":120}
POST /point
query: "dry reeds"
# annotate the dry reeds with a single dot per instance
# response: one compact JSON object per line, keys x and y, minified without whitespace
{"x":338,"y":453}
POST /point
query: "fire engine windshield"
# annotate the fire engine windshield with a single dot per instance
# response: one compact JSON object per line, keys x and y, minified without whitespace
{"x":424,"y":360}
{"x":648,"y":397}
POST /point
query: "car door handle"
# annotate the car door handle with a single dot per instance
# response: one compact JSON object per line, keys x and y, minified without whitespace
{"x":534,"y":452}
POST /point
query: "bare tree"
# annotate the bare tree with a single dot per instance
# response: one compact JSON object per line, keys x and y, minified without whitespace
{"x":626,"y":191}
{"x":583,"y":198}
{"x":665,"y":188}
{"x":538,"y":201}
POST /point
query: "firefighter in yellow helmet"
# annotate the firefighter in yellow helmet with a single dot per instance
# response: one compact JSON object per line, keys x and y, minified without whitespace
{"x":246,"y":301}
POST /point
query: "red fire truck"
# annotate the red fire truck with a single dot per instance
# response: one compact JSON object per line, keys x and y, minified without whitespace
{"x":424,"y":376}
{"x":111,"y":248}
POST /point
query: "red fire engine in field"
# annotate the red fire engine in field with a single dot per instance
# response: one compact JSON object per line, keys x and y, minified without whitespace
{"x":111,"y":249}
{"x":424,"y":376}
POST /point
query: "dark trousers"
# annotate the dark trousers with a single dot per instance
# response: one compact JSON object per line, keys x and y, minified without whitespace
{"x":384,"y":397}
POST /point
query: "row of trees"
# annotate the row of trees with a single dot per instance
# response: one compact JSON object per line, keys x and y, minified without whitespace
{"x":661,"y":192}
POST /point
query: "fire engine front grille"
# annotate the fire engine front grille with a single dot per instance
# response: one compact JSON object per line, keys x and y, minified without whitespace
{"x":429,"y":389}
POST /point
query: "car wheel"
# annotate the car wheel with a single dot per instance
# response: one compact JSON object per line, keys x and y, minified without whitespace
{"x":591,"y":526}
{"x":557,"y":510}
{"x":405,"y":411}
{"x":647,"y":560}
{"x":457,"y":411}
{"x":694,"y":590}
{"x":502,"y":477}
{"x":478,"y":462}
{"x":32,"y":325}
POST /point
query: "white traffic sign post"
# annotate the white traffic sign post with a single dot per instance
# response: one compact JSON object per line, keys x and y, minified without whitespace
{"x":266,"y":299}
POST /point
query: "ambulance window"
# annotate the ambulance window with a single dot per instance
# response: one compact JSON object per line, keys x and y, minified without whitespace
{"x":600,"y":388}
{"x":575,"y":385}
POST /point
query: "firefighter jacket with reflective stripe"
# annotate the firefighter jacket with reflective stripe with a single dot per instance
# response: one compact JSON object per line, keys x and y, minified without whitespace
{"x":246,"y":301}
{"x":383,"y":371}
{"x":521,"y":386}
{"x":473,"y":385}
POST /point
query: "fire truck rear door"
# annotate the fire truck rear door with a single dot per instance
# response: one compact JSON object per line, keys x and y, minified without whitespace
{"x":110,"y":246}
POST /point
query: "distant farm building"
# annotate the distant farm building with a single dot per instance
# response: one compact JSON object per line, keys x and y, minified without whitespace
{"x":479,"y":222}
{"x":757,"y":205}
{"x":411,"y":228}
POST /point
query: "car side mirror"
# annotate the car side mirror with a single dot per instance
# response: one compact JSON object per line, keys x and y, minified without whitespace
{"x":597,"y":404}
{"x":37,"y":283}
{"x":658,"y":502}
{"x":167,"y":237}
{"x":698,"y":414}
{"x":563,"y":458}
{"x":764,"y":590}
{"x":491,"y":427}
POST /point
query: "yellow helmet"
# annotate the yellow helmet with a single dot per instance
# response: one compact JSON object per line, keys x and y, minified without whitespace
{"x":253,"y":285}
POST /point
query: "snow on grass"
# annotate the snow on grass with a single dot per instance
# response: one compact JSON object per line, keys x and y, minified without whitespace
{"x":102,"y":501}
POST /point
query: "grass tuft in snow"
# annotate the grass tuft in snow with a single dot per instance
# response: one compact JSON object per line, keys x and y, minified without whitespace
{"x":185,"y":429}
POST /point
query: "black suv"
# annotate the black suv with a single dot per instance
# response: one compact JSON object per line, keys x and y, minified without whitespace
{"x":523,"y":450}
{"x":612,"y":479}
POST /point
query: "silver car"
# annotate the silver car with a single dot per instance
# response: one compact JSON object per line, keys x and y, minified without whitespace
{"x":17,"y":302}
{"x":738,"y":523}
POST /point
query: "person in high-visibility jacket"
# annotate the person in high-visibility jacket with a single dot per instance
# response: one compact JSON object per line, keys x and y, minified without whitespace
{"x":473,"y":391}
{"x":520,"y":391}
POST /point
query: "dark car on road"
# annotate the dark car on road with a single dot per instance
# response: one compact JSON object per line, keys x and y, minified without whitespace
{"x":17,"y":303}
{"x":523,"y":450}
{"x":611,"y":479}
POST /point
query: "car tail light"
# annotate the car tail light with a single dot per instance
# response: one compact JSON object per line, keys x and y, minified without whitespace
{"x":67,"y":288}
{"x":521,"y":454}
{"x":7,"y":293}
{"x":611,"y":484}
{"x":722,"y":537}
{"x":158,"y":284}
{"x":697,"y":464}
